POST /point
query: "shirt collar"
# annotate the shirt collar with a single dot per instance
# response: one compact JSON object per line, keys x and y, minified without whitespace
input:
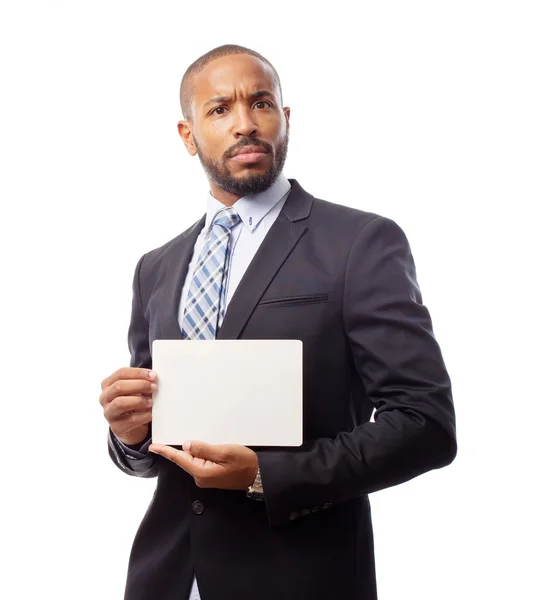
{"x":254,"y":207}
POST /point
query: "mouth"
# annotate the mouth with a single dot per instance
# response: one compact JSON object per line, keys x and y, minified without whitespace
{"x":249,"y":154}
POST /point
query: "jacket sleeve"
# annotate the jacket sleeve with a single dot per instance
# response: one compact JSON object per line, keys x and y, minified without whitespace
{"x":400,"y":363}
{"x":139,"y":347}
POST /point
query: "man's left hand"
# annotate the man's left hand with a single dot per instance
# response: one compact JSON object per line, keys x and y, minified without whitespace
{"x":224,"y":466}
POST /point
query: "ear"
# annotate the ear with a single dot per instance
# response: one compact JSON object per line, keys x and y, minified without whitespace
{"x":185,"y":131}
{"x":287,"y":113}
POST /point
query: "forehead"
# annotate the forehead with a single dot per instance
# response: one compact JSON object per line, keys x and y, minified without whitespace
{"x":228,"y":75}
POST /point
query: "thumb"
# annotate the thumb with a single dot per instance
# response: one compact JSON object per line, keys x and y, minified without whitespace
{"x":202,"y":450}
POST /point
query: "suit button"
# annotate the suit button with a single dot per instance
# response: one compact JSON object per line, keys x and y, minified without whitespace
{"x":293,"y":516}
{"x":198,"y":507}
{"x":304,"y":512}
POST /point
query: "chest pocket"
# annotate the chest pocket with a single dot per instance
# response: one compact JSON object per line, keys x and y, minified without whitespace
{"x":295,"y":300}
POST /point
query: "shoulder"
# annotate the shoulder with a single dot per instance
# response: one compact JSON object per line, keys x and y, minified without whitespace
{"x":345,"y":221}
{"x":336,"y":211}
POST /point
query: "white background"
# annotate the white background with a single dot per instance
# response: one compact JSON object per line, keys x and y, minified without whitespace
{"x":420,"y":111}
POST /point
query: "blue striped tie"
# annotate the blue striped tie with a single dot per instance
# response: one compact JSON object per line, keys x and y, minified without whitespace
{"x":203,"y":306}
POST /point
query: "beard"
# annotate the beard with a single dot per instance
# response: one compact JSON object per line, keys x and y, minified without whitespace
{"x":253,"y":183}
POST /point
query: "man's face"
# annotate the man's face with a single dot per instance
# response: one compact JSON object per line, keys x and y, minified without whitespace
{"x":239,"y":128}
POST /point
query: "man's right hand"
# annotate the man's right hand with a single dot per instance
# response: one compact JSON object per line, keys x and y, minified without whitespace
{"x":127,"y":402}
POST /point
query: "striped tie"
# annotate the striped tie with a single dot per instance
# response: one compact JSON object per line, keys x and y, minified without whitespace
{"x":203,"y":306}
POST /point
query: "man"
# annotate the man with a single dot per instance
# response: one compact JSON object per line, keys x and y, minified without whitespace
{"x":268,"y":260}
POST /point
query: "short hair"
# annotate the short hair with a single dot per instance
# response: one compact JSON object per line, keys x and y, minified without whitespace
{"x":186,"y":88}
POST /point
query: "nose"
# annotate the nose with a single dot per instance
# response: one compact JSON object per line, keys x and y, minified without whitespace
{"x":244,"y":123}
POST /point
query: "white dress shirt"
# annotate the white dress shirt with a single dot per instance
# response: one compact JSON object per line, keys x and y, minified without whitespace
{"x":257,"y":212}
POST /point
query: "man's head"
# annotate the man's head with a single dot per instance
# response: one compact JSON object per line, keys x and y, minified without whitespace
{"x":234,"y":120}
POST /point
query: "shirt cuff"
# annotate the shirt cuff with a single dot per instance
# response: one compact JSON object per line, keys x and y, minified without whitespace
{"x":132,"y":454}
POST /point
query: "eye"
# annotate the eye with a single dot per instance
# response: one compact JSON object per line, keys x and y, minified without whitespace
{"x":218,"y":108}
{"x":264,"y":102}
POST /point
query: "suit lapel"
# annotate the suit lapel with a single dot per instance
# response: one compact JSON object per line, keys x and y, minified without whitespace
{"x":177,"y":264}
{"x":279,"y":242}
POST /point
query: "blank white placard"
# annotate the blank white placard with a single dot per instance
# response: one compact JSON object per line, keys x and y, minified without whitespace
{"x":246,"y":392}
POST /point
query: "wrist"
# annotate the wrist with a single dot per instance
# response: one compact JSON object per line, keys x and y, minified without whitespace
{"x":254,"y":470}
{"x":255,"y":490}
{"x":136,"y":439}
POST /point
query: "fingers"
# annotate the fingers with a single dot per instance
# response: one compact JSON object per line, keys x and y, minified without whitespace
{"x":197,"y":458}
{"x":182,"y":459}
{"x":127,"y":387}
{"x":128,"y":373}
{"x":124,"y":406}
{"x":219,"y":453}
{"x":122,"y":427}
{"x":236,"y":472}
{"x":127,"y":402}
{"x":199,"y":468}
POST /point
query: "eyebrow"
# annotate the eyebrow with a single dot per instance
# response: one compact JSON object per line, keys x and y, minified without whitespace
{"x":253,"y":95}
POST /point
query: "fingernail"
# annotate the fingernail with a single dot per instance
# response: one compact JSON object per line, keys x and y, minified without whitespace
{"x":151,"y":374}
{"x":186,"y":446}
{"x":153,"y":386}
{"x":150,"y":401}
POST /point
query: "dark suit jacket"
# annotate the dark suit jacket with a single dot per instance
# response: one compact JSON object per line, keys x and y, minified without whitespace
{"x":343,"y":281}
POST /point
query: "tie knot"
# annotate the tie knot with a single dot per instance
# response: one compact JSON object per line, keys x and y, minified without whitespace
{"x":227,"y":217}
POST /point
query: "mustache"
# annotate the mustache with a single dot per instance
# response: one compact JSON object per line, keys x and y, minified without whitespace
{"x":247,"y":142}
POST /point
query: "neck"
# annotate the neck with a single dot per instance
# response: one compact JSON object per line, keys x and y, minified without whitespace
{"x":226,"y":198}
